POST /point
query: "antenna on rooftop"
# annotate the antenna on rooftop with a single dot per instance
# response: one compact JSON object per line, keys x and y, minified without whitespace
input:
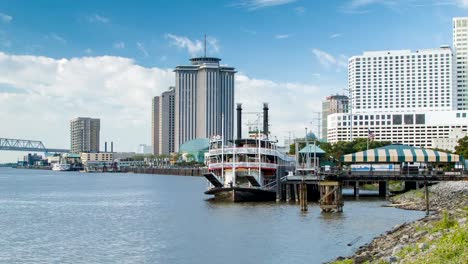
{"x":205,"y":45}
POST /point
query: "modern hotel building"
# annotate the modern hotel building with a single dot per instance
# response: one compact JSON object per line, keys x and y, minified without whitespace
{"x":163,"y":123}
{"x":84,"y":134}
{"x":204,"y":92}
{"x":405,"y":97}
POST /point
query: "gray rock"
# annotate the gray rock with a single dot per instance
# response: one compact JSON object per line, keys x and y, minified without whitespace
{"x":391,"y":259}
{"x":423,"y":246}
{"x":462,"y":221}
{"x":404,"y":238}
{"x":397,"y":249}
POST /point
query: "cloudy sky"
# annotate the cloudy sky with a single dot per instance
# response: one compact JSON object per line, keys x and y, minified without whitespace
{"x":107,"y":59}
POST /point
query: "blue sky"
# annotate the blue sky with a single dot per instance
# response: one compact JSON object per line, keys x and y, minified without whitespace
{"x":77,"y":49}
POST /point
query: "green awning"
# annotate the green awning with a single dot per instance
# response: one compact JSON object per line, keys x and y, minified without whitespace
{"x":400,"y":153}
{"x":310,"y":149}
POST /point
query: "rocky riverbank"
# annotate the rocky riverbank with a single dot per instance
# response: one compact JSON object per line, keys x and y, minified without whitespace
{"x":441,"y":237}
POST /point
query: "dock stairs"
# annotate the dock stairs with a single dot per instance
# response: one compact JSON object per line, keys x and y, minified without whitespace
{"x":252,"y":180}
{"x":213,"y":179}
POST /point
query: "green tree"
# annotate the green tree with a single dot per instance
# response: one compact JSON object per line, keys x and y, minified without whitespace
{"x":462,"y":148}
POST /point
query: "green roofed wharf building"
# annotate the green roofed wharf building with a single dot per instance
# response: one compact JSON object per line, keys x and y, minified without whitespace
{"x":196,"y":148}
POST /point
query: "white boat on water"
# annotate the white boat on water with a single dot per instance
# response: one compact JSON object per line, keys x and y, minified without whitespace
{"x":61,"y":167}
{"x":246,"y":169}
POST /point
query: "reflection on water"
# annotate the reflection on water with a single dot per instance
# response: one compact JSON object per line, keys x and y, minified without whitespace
{"x":65,"y":217}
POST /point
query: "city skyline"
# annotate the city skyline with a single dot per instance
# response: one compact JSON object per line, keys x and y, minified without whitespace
{"x":93,"y":59}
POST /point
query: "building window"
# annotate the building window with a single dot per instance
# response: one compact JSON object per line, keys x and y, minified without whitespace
{"x":409,"y":120}
{"x":397,"y":119}
{"x":420,"y":119}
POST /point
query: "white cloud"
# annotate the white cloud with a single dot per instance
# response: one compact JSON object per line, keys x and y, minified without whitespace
{"x":119,"y":45}
{"x":88,"y":51}
{"x":359,"y":6}
{"x":194,"y":47}
{"x":43,"y":94}
{"x":97,"y":18}
{"x":56,"y":37}
{"x":284,"y":36}
{"x":257,"y":4}
{"x":249,"y":31}
{"x":328,"y":61}
{"x":142,"y":49}
{"x":362,"y":6}
{"x":5,"y":18}
{"x":53,"y":91}
{"x":462,"y":3}
{"x":300,"y":10}
{"x":335,"y":35}
{"x":291,"y":104}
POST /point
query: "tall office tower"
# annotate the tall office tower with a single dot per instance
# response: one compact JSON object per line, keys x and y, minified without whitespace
{"x":406,"y":97}
{"x":402,"y":80}
{"x":204,"y":93}
{"x":163,"y":122}
{"x":460,"y":44}
{"x":155,"y":125}
{"x":84,"y":134}
{"x":333,"y":104}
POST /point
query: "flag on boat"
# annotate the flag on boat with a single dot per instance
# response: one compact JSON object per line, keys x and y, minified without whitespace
{"x":370,"y":134}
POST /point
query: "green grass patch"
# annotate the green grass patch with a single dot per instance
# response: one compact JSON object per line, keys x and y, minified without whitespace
{"x":369,"y":187}
{"x":450,"y":248}
{"x":344,"y":261}
{"x":408,"y":250}
{"x":445,"y":223}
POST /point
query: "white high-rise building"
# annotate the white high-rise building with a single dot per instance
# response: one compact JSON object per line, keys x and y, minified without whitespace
{"x":401,"y":80}
{"x":416,"y":98}
{"x":460,"y":45}
{"x":84,"y":134}
{"x":163,"y":123}
{"x":204,"y":92}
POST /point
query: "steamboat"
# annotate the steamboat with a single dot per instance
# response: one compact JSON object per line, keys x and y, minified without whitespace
{"x":246,"y":169}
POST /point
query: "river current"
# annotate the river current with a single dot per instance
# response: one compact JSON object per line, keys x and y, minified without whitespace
{"x":72,"y":217}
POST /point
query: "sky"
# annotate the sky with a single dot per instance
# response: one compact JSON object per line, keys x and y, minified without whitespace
{"x":105,"y":59}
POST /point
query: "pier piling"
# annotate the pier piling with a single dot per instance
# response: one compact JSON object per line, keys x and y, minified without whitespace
{"x":303,"y":196}
{"x":331,"y":197}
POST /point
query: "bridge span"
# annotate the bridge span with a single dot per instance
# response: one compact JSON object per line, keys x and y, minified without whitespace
{"x":8,"y":144}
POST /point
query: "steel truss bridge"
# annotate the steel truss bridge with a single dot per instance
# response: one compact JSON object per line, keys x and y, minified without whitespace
{"x":27,"y":145}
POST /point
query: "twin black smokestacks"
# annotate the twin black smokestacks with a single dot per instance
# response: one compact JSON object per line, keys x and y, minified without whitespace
{"x":239,"y":120}
{"x":265,"y":119}
{"x":112,"y":146}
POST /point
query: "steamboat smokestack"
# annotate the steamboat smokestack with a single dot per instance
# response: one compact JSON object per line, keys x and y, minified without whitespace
{"x":105,"y":146}
{"x":265,"y":119}
{"x":112,"y":146}
{"x":239,"y":120}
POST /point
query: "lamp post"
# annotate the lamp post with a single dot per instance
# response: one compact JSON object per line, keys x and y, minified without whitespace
{"x":350,"y":108}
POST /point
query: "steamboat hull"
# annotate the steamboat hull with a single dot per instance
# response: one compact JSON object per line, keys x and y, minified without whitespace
{"x":242,"y":194}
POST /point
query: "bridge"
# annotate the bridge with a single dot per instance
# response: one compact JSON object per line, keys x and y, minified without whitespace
{"x":8,"y":144}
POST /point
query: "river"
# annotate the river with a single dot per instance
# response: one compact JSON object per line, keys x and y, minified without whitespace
{"x":72,"y":217}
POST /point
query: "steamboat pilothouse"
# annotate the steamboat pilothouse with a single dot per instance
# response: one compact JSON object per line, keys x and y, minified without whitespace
{"x":246,"y":169}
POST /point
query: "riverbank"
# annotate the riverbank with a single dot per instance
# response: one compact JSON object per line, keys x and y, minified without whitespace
{"x":441,"y":237}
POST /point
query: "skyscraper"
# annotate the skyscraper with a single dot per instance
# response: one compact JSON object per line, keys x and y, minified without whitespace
{"x":416,"y":98}
{"x":332,"y":105}
{"x":204,"y":93}
{"x":84,"y":134}
{"x":460,"y":45}
{"x":163,"y":122}
{"x":155,"y":125}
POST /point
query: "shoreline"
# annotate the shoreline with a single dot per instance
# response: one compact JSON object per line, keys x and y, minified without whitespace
{"x":425,"y":239}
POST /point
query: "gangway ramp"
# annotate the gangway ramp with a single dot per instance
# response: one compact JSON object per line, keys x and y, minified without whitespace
{"x":213,"y":179}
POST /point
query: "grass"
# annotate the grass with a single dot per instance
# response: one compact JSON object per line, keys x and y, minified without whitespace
{"x":449,"y":248}
{"x":344,"y":261}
